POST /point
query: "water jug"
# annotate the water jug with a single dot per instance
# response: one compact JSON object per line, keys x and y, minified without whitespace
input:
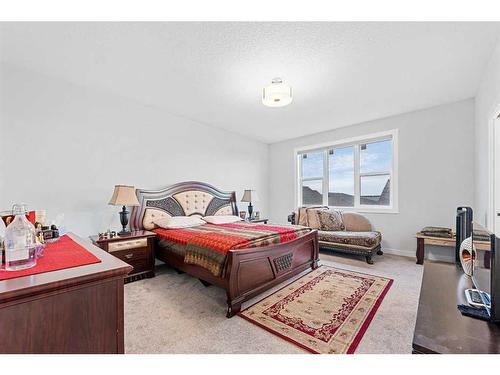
{"x":20,"y":241}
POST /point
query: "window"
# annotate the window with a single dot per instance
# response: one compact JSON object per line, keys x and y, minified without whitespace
{"x":375,"y":169}
{"x":341,"y":177}
{"x":312,"y":178}
{"x":357,"y":173}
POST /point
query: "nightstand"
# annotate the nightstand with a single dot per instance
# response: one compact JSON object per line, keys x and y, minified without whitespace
{"x":136,"y":249}
{"x":264,"y":221}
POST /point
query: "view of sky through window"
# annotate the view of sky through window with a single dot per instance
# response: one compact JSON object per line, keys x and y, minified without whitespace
{"x":341,"y":177}
{"x":312,"y":165}
{"x":375,"y":157}
{"x":341,"y":173}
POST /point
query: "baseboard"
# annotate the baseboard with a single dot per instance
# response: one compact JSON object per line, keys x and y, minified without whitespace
{"x":439,"y":257}
{"x":429,"y":254}
{"x":402,"y":253}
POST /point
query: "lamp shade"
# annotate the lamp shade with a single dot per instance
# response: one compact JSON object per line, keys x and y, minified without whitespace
{"x":250,"y":196}
{"x":124,"y":196}
{"x":277,"y":94}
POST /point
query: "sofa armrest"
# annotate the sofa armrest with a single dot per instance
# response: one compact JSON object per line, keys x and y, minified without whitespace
{"x":355,"y":222}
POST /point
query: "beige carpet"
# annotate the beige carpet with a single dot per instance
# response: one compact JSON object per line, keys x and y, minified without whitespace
{"x":174,"y":313}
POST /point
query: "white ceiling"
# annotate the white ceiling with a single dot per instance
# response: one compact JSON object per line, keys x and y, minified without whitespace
{"x":341,"y":73}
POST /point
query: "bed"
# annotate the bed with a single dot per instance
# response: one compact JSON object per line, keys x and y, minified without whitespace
{"x":244,"y":271}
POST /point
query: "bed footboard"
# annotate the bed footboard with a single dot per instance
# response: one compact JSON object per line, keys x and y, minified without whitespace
{"x":252,"y":272}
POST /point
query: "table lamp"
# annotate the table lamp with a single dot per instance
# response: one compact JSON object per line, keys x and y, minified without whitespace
{"x":249,"y":196}
{"x":124,"y":196}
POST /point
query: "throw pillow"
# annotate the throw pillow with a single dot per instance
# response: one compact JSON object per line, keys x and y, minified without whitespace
{"x":179,"y":222}
{"x":330,"y":220}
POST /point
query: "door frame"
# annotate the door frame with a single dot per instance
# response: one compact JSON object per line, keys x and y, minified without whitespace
{"x":491,"y":168}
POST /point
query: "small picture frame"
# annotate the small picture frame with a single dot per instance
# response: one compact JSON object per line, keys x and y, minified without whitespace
{"x":243,"y":214}
{"x":257,"y":215}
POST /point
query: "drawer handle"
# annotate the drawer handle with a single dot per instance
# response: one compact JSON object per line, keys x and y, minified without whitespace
{"x":129,"y":256}
{"x":130,"y":244}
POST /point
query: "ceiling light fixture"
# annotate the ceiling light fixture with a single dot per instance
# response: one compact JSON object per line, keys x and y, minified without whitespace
{"x":277,"y":94}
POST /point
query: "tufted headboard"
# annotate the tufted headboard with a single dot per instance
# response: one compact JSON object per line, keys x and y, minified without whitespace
{"x":182,"y":199}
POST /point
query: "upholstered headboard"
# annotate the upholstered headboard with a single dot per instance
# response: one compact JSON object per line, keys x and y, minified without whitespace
{"x":182,"y":199}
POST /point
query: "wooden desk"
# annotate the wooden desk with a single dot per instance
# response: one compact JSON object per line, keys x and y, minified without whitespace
{"x":75,"y":310}
{"x":423,"y":240}
{"x":440,"y":327}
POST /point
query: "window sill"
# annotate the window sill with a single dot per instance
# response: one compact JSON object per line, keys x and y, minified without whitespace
{"x":368,"y":210}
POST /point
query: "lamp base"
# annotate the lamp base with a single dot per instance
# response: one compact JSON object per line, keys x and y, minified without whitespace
{"x":124,"y":233}
{"x":124,"y":221}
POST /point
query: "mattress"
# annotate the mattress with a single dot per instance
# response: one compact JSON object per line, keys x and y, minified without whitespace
{"x":207,"y":245}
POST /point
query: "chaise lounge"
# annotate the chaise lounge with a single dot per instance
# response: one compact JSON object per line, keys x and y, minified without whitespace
{"x":346,"y":232}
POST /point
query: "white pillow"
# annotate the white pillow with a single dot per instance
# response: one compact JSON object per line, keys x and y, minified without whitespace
{"x":221,"y":219}
{"x":178,"y":222}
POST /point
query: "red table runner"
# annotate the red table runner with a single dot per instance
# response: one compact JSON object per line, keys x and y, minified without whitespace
{"x":64,"y":253}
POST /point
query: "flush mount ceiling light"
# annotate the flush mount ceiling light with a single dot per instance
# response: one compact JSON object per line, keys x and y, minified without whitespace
{"x":277,"y":94}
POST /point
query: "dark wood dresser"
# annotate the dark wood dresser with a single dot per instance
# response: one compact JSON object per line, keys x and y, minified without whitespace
{"x":440,"y":327}
{"x":136,"y":249}
{"x":75,"y":310}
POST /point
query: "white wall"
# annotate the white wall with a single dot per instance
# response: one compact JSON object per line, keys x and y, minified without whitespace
{"x":435,"y":171}
{"x":66,"y":146}
{"x":487,"y":101}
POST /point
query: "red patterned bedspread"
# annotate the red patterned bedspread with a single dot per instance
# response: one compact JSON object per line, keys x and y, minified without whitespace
{"x":207,"y":245}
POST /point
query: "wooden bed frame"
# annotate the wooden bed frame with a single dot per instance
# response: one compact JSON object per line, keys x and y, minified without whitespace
{"x":248,"y":272}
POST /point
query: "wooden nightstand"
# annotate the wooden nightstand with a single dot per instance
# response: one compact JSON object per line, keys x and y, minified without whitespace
{"x":136,"y":249}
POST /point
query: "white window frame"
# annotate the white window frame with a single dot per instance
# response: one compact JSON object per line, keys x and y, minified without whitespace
{"x":356,"y":142}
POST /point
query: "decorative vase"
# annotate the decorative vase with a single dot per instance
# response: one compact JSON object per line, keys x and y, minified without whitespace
{"x":468,"y":256}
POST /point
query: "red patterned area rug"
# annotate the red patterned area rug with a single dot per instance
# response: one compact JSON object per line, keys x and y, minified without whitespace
{"x":326,"y":311}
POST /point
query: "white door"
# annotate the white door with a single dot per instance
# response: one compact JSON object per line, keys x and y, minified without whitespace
{"x":496,"y":131}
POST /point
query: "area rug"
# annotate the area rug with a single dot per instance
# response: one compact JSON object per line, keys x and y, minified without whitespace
{"x":326,"y":311}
